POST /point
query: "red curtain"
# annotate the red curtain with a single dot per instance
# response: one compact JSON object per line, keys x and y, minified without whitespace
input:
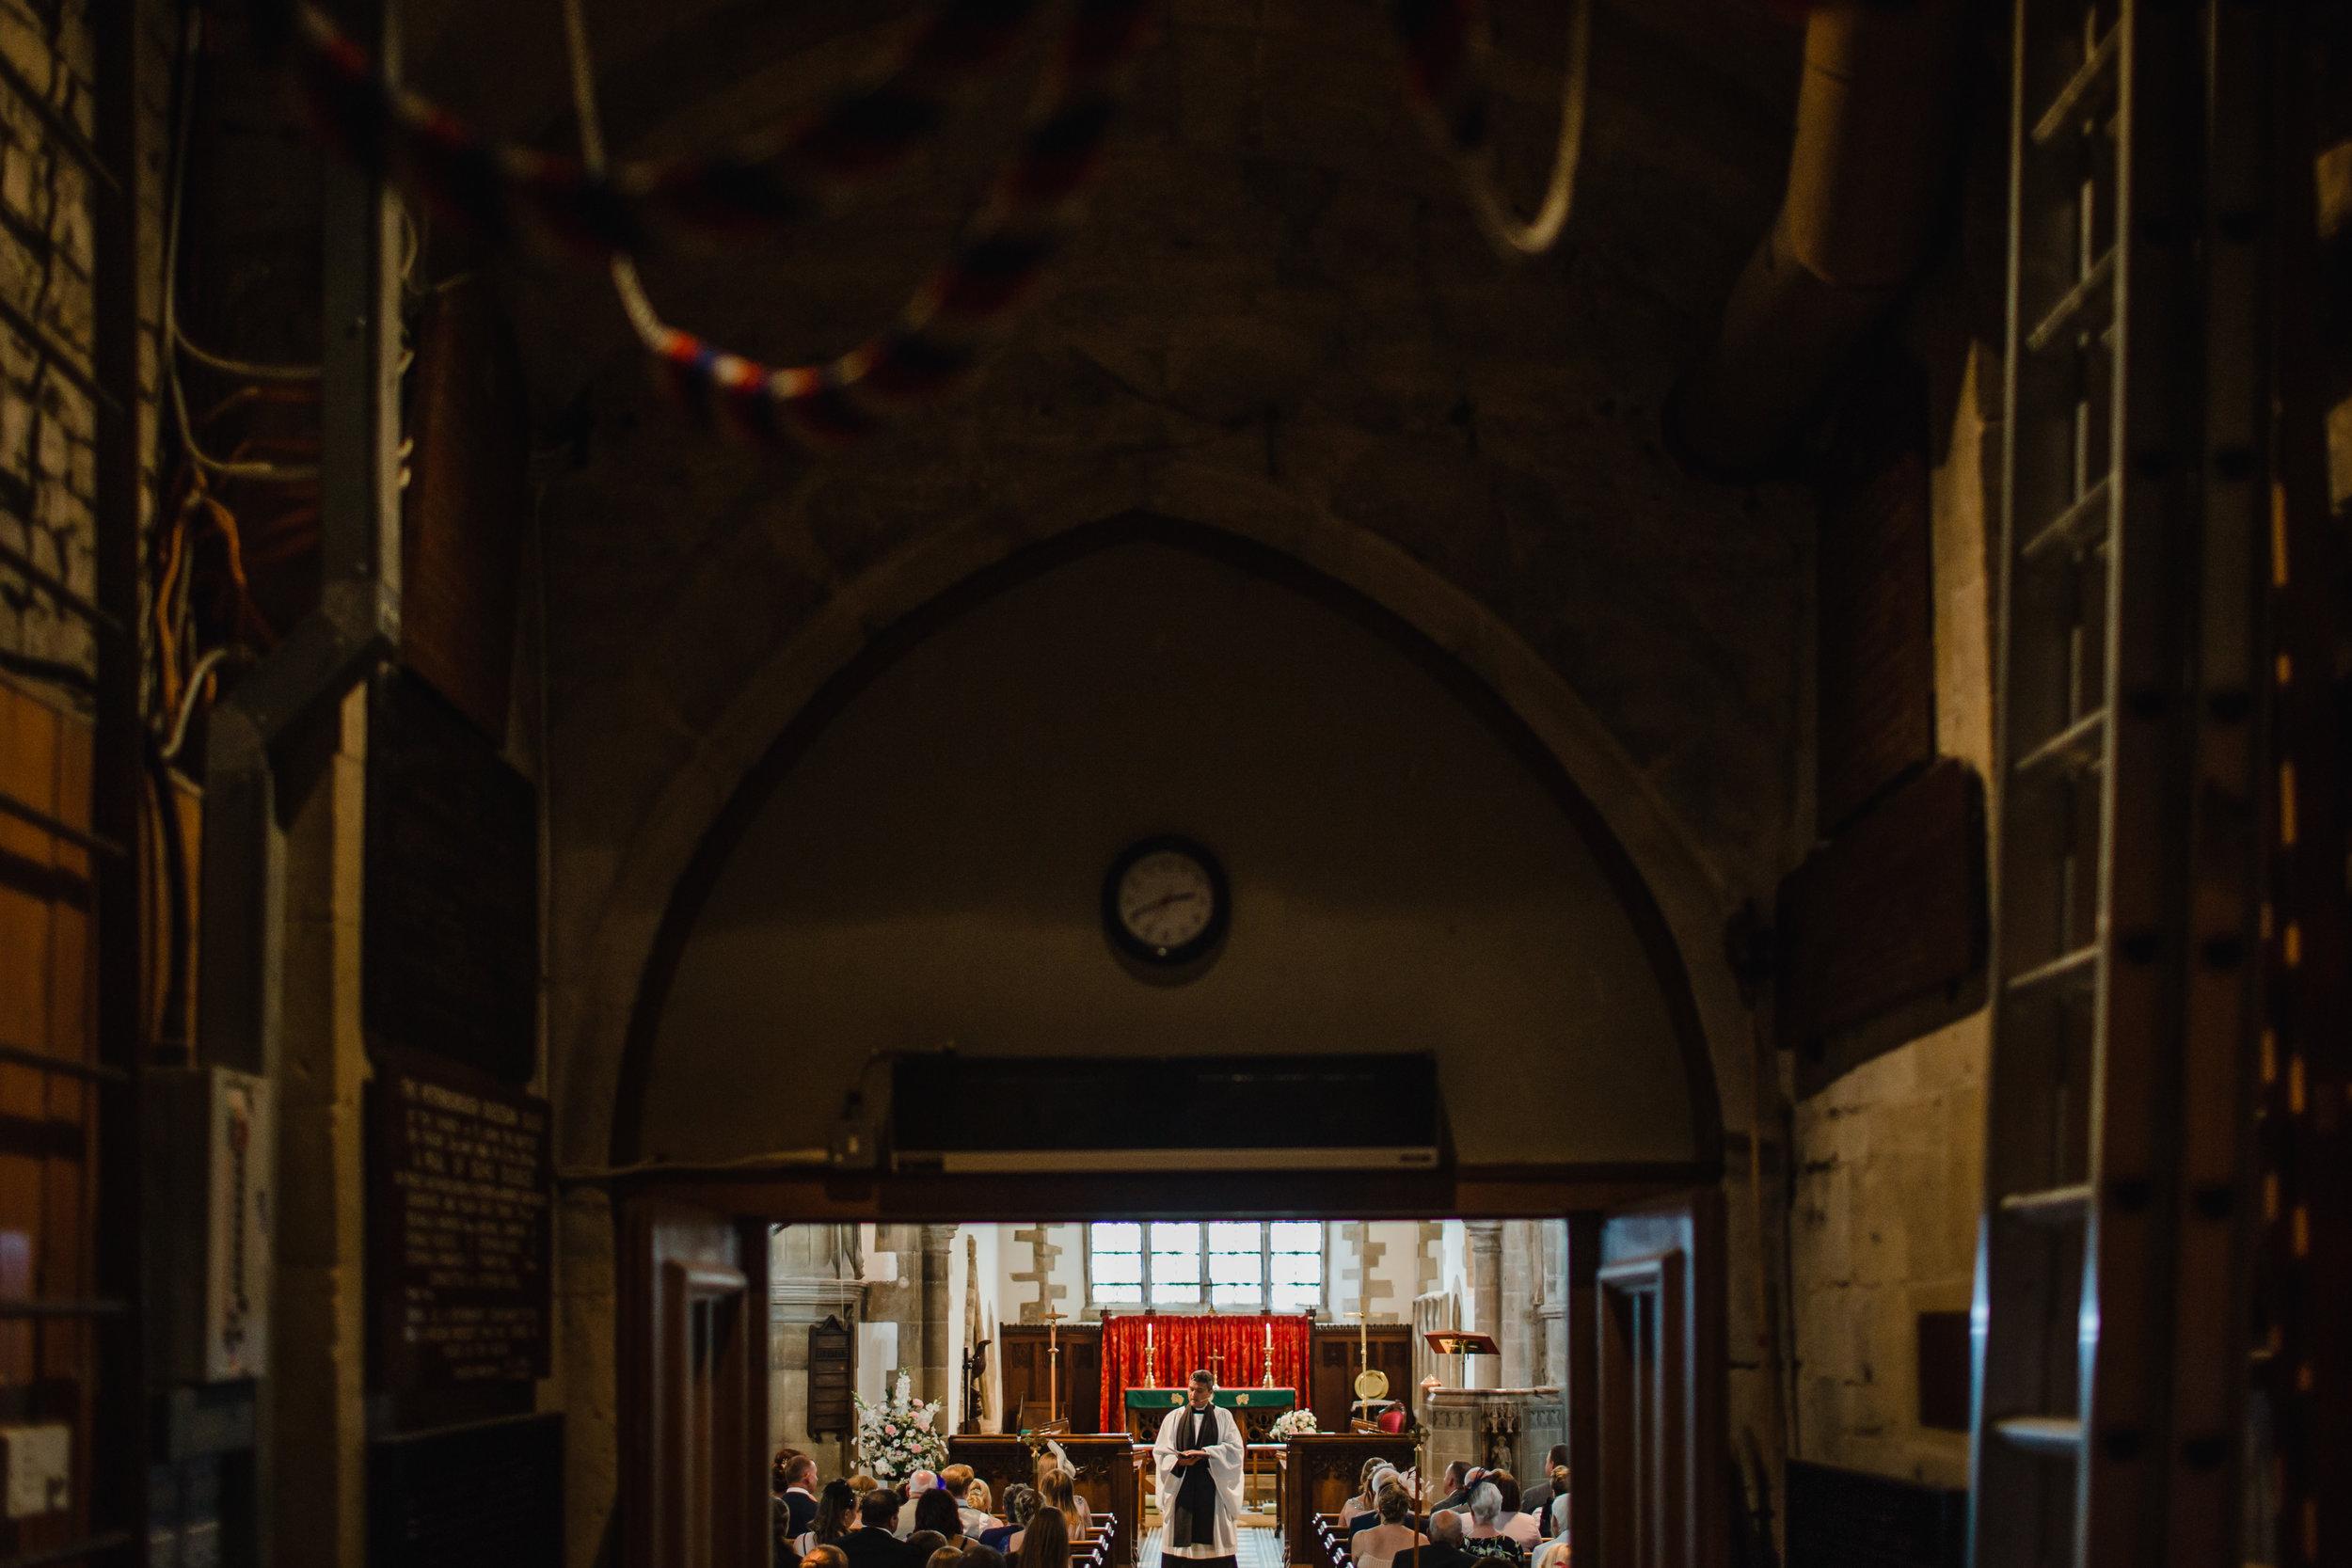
{"x":1182,"y":1342}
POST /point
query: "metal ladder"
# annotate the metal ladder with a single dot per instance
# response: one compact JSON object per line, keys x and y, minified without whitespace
{"x":2109,"y":1322}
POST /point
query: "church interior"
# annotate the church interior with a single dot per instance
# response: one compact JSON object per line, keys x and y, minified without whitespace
{"x":1260,"y":783}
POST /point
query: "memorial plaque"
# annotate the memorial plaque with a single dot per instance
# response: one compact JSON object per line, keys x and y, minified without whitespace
{"x":459,"y":1186}
{"x":450,"y":954}
{"x":474,"y":1497}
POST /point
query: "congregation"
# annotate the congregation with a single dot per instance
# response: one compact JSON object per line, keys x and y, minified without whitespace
{"x":1482,"y":1519}
{"x":939,"y":1520}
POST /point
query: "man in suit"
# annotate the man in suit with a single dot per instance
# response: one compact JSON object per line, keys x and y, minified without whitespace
{"x":1537,"y":1500}
{"x":1445,"y":1542}
{"x":875,"y":1544}
{"x":795,"y":1483}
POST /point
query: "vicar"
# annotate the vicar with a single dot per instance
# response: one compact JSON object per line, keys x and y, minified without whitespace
{"x":1200,"y":1456}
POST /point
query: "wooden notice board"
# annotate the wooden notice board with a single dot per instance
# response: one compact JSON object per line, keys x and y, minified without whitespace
{"x":449,"y":947}
{"x":459,"y":1239}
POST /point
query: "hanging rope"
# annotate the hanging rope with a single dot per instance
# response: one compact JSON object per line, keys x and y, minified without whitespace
{"x":1449,"y":50}
{"x":498,"y":191}
{"x":944,"y":332}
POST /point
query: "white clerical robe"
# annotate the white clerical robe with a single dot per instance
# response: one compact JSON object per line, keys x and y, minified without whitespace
{"x":1224,"y":1462}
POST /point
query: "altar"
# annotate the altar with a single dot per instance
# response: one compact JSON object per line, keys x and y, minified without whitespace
{"x":1255,"y":1409}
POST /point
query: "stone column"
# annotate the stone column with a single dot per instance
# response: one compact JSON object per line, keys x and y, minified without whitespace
{"x":1481,"y":1257}
{"x":1516,"y":1305}
{"x":935,"y":1378}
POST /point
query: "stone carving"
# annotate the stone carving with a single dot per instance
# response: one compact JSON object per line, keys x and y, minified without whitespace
{"x":1040,"y":1273}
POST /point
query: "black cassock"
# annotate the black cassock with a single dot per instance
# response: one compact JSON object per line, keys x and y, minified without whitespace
{"x":1197,"y":1499}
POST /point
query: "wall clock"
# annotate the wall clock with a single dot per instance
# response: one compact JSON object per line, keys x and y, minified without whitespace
{"x":1165,"y":902}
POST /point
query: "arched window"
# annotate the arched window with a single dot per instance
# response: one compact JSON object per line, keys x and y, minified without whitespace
{"x":1229,"y":1265}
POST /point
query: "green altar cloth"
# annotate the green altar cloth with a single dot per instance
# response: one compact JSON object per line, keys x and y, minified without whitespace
{"x":1231,"y":1398}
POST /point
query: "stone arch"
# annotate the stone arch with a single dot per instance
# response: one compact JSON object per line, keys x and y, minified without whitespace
{"x":1677,"y":897}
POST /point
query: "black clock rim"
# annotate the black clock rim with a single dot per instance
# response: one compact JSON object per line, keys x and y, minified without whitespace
{"x":1220,"y":907}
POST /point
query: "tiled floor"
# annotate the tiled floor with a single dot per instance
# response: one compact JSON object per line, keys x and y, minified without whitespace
{"x":1259,"y":1548}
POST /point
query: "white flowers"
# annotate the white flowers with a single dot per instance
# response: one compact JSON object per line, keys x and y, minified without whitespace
{"x":896,"y":1439}
{"x":1293,"y":1424}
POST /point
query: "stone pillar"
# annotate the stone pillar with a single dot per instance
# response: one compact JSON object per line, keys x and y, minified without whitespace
{"x":1481,"y":1257}
{"x":313,"y":1410}
{"x":1516,"y":1307}
{"x":935,"y":1378}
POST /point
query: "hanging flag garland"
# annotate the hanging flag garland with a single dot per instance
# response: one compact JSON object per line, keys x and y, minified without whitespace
{"x":498,"y":191}
{"x":964,"y":309}
{"x":1448,"y":52}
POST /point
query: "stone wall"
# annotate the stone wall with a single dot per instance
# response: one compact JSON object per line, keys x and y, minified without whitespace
{"x":48,"y":459}
{"x":1890,"y":1157}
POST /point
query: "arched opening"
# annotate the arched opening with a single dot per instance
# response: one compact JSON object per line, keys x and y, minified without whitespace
{"x":916,"y":865}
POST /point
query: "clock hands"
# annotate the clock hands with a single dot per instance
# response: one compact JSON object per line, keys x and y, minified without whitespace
{"x":1163,"y":901}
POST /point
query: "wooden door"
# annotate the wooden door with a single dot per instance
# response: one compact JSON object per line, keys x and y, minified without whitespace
{"x":695,"y":1389}
{"x":1659,"y":1372}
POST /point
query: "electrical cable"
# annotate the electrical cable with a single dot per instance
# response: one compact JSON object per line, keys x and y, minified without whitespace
{"x":204,"y":667}
{"x":174,"y":340}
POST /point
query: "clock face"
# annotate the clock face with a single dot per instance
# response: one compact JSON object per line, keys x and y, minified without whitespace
{"x":1165,"y":901}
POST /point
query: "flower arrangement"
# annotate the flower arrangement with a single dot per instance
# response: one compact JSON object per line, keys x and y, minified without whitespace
{"x":1295,"y":1423}
{"x":896,"y":1439}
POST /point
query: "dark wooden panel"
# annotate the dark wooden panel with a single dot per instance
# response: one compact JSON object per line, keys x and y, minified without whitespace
{"x":830,"y":1368}
{"x":1848,"y":1519}
{"x":1944,"y":1371}
{"x":1333,"y":1356}
{"x":476,"y":1497}
{"x":1022,"y":1347}
{"x":468,"y":499}
{"x":459,"y":1185}
{"x":451,"y":944}
{"x":1892,"y":912}
{"x":1875,"y":656}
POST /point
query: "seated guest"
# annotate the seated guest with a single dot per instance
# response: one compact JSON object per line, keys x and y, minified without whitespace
{"x":1382,"y":1479}
{"x":1450,"y":1488}
{"x":976,"y":1555}
{"x":792,"y":1480}
{"x":1393,"y":1535}
{"x":1047,"y":1543}
{"x":1445,"y":1542}
{"x":1554,"y":1553}
{"x":1019,"y":1503}
{"x":1366,"y":1502}
{"x":1525,"y":1528}
{"x":947,"y":1557}
{"x":1538,"y":1499}
{"x":1486,"y":1539}
{"x":836,"y":1515}
{"x":825,"y":1556}
{"x":936,"y":1510}
{"x":1459,"y":1499}
{"x":916,"y":1549}
{"x":917,"y":1483}
{"x":957,"y":1480}
{"x":1058,"y":1490}
{"x":875,"y":1543}
{"x":980,"y":1499}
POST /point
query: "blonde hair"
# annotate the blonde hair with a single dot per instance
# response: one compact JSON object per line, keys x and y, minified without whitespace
{"x":1058,"y":1489}
{"x":978,"y":1496}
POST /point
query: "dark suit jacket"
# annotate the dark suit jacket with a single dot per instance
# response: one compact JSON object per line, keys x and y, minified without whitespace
{"x":803,"y":1511}
{"x":1537,"y":1501}
{"x":1435,"y":1555}
{"x":868,"y":1547}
